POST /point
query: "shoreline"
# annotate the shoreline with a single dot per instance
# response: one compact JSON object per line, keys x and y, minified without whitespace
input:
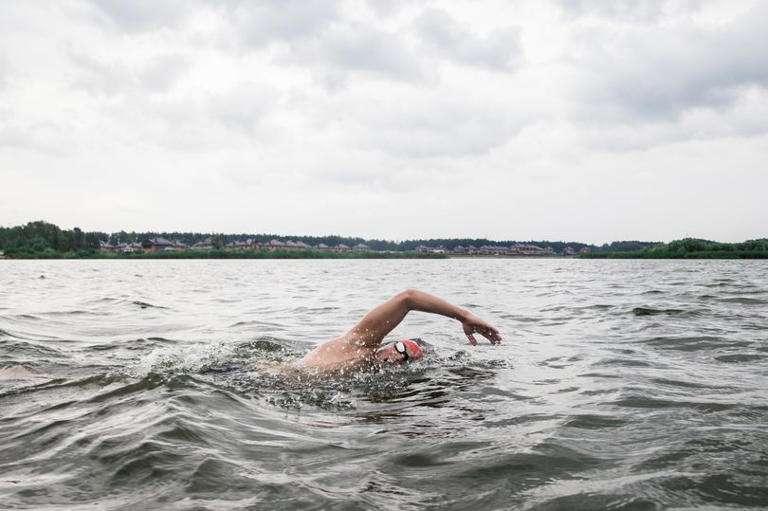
{"x":363,"y":255}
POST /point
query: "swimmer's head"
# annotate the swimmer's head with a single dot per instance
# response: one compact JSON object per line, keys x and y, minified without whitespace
{"x":399,"y":351}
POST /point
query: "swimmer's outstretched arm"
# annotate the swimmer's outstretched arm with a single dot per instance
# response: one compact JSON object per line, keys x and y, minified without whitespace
{"x":362,"y":341}
{"x":372,"y":329}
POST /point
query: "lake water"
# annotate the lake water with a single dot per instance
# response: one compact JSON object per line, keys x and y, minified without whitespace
{"x":620,"y":385}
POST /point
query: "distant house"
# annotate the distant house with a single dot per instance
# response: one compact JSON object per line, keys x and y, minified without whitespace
{"x":157,"y":244}
{"x":323,"y":247}
{"x":489,"y":250}
{"x":107,"y":247}
{"x":361,"y":247}
{"x":239,"y":244}
{"x":206,"y":244}
{"x":526,"y":249}
{"x":276,"y":244}
{"x":341,"y":247}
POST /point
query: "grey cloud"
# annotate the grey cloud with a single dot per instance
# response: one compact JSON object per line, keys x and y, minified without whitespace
{"x":660,"y":74}
{"x":261,"y":22}
{"x":356,"y":47}
{"x":625,"y":10}
{"x":11,"y":136}
{"x":497,"y":50}
{"x":159,"y":74}
{"x":162,"y":73}
{"x":96,"y":77}
{"x":42,"y":137}
{"x":386,"y":8}
{"x":747,"y":117}
{"x":369,"y":50}
{"x":242,"y":110}
{"x":199,"y":124}
{"x":438,"y":128}
{"x":253,"y":22}
{"x":137,"y":15}
{"x":3,"y":73}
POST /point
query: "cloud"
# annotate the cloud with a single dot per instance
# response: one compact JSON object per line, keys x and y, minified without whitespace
{"x":357,"y":48}
{"x":430,"y":127}
{"x":390,"y":8}
{"x":140,"y":15}
{"x":747,"y":116}
{"x":243,"y":109}
{"x":40,"y":137}
{"x":3,"y":73}
{"x":258,"y":23}
{"x":97,"y":77}
{"x":117,"y":76}
{"x":626,"y":10}
{"x":658,"y":73}
{"x":498,"y":50}
{"x":163,"y":72}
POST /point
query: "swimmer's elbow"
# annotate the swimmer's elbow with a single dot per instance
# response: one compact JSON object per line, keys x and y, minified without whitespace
{"x":408,"y":297}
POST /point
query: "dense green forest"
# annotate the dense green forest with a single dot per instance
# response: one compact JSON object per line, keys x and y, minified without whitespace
{"x":691,"y":248}
{"x":42,"y":238}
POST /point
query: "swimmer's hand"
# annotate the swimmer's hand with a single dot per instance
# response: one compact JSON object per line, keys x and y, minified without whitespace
{"x":472,"y":324}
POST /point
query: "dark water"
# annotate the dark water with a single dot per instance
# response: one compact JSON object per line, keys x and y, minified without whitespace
{"x":620,"y":385}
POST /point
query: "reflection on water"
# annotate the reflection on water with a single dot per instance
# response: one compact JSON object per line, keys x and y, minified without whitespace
{"x":161,"y":384}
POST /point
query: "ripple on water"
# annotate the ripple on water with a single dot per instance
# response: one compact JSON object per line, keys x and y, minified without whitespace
{"x":651,"y":311}
{"x":694,"y":343}
{"x":744,"y":300}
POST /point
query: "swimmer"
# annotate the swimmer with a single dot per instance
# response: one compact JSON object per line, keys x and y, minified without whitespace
{"x":363,"y":344}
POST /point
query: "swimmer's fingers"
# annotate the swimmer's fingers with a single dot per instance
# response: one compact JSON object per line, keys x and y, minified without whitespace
{"x":492,"y":335}
{"x":468,"y":331}
{"x":474,"y":324}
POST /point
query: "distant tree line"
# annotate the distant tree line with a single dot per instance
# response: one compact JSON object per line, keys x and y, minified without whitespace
{"x":45,"y":239}
{"x":626,"y":246}
{"x":41,"y":237}
{"x":692,"y":248}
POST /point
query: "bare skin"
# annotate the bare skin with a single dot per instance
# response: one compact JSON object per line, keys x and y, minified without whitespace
{"x":363,"y":344}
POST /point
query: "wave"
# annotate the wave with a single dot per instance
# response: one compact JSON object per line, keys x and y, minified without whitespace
{"x":651,"y":311}
{"x":744,"y":300}
{"x":694,"y":343}
{"x":655,"y":403}
{"x":147,"y":305}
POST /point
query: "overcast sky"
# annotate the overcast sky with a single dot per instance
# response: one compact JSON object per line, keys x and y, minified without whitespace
{"x":579,"y":120}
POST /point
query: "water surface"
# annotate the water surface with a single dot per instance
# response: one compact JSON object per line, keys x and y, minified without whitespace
{"x":620,"y":385}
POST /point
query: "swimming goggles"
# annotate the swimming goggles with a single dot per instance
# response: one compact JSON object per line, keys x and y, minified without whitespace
{"x":400,"y":348}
